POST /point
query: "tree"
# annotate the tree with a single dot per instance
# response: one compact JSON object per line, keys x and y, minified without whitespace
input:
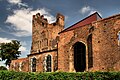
{"x":9,"y":51}
{"x":3,"y":68}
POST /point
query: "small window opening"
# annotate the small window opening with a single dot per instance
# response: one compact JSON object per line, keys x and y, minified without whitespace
{"x":42,"y":24}
{"x":34,"y":65}
{"x":48,"y":63}
{"x":119,"y":38}
{"x":91,"y":29}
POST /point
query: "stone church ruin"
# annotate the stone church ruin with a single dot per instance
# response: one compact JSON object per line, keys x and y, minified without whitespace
{"x":92,"y":44}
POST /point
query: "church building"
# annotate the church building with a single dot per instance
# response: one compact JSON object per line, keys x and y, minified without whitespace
{"x":92,"y":44}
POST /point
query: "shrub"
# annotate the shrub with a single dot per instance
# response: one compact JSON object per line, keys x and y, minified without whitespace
{"x":12,"y":75}
{"x":3,"y":68}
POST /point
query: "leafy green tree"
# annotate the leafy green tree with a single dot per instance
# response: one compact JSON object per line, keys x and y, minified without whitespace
{"x":3,"y":68}
{"x":9,"y":51}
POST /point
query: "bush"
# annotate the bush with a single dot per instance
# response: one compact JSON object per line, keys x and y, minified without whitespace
{"x":3,"y":68}
{"x":12,"y":75}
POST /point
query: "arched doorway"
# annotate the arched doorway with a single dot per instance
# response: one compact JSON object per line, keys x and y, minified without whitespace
{"x":79,"y":57}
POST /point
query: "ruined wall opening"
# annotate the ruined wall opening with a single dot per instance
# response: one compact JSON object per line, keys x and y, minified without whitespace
{"x":48,"y":62}
{"x":90,"y":51}
{"x":79,"y":57}
{"x":119,"y":38}
{"x":34,"y":65}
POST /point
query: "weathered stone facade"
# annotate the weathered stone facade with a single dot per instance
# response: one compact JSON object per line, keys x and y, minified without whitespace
{"x":105,"y":52}
{"x":92,"y":44}
{"x":19,"y":65}
{"x":44,"y":44}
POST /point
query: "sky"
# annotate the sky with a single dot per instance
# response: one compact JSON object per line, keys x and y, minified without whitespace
{"x":16,"y":16}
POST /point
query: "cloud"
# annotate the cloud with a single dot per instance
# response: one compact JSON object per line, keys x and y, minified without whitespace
{"x":18,"y":2}
{"x":4,"y":40}
{"x":22,"y":20}
{"x":85,"y":9}
{"x":22,"y":5}
{"x":22,"y":48}
{"x":89,"y":10}
{"x":23,"y":43}
{"x":14,"y":1}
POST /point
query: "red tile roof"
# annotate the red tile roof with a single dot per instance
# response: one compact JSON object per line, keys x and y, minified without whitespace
{"x":94,"y":17}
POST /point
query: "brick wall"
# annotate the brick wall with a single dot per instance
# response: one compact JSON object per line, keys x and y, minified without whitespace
{"x":44,"y":35}
{"x":19,"y":65}
{"x":105,"y":49}
{"x":44,"y":40}
{"x":105,"y":44}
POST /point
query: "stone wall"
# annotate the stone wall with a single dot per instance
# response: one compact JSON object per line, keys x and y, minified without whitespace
{"x":102,"y":45}
{"x":105,"y":44}
{"x":44,"y":35}
{"x":40,"y":60}
{"x":20,"y":65}
{"x":105,"y":49}
{"x":65,"y":46}
{"x":45,"y":40}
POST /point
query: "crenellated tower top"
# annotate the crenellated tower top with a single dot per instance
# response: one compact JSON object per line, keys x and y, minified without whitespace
{"x":44,"y":34}
{"x":60,"y":19}
{"x":39,"y":18}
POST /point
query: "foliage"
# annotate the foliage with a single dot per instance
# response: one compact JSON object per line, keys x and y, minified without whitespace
{"x":11,"y":75}
{"x":3,"y":68}
{"x":9,"y":51}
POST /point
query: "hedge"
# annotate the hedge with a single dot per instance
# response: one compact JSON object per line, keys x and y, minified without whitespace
{"x":12,"y":75}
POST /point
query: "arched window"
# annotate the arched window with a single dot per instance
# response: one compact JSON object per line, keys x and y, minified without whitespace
{"x":119,"y":38}
{"x":48,"y":62}
{"x":90,"y":51}
{"x":34,"y":65}
{"x":20,"y":66}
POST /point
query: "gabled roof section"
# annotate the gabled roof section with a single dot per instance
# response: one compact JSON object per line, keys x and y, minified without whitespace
{"x":93,"y":17}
